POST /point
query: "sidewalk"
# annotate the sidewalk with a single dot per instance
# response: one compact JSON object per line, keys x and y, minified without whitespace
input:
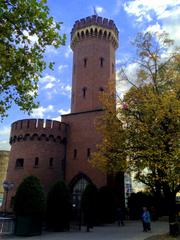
{"x":131,"y":231}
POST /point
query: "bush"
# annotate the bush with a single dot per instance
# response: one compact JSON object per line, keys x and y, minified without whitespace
{"x":29,"y":199}
{"x":89,"y":205}
{"x":58,"y":210}
{"x":107,"y":205}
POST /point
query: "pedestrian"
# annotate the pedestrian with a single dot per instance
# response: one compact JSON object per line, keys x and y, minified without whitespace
{"x":120,"y":216}
{"x":146,"y":220}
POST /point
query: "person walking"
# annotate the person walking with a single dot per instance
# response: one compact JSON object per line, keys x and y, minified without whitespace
{"x":146,"y":220}
{"x":120,"y":216}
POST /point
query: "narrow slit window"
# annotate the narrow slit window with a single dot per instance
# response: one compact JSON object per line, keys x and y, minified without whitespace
{"x":75,"y":154}
{"x":113,"y":68}
{"x":85,"y":62}
{"x":88,"y":153}
{"x":84,"y":92}
{"x":101,"y":61}
{"x":36,"y":162}
{"x":51,"y":162}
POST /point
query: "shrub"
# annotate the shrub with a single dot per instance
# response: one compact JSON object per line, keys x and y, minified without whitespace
{"x":29,"y":199}
{"x":89,"y":204}
{"x":107,"y":205}
{"x":58,"y":210}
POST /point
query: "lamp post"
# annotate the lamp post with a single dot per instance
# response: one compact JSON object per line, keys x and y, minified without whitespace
{"x":7,"y":187}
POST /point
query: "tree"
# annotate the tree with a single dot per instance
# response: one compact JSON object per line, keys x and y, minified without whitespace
{"x":58,"y":207}
{"x":152,"y":116}
{"x":111,"y":154}
{"x":29,"y":207}
{"x":25,"y":32}
{"x":89,"y":205}
{"x":149,"y":115}
{"x":29,"y":199}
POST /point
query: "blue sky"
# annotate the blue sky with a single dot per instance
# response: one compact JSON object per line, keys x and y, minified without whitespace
{"x":130,"y":17}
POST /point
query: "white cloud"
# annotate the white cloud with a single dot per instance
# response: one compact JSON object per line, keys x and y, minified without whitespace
{"x":49,"y":85}
{"x":99,"y":9}
{"x":165,"y":11}
{"x":154,"y":28}
{"x":68,"y":52}
{"x":48,"y":78}
{"x":5,"y":131}
{"x":51,"y":49}
{"x":40,"y":111}
{"x":122,"y":85}
{"x":62,"y":111}
{"x":4,"y":138}
{"x":33,"y":38}
{"x":62,"y":67}
{"x":117,"y":7}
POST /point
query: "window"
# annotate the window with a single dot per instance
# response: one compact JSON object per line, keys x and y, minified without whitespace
{"x":85,"y":62}
{"x":113,"y":68}
{"x":88,"y":153}
{"x":36,"y":162}
{"x":51,"y":162}
{"x":84,"y":91}
{"x":19,"y":163}
{"x":101,"y":61}
{"x":75,"y":154}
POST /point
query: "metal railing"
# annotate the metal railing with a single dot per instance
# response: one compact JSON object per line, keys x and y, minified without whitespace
{"x":6,"y":225}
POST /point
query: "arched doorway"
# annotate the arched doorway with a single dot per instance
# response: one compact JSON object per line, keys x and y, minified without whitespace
{"x":77,"y":186}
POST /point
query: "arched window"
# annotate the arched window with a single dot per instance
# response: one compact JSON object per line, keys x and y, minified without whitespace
{"x":78,"y":185}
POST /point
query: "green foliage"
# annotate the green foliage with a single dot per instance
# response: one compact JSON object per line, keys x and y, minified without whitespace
{"x":58,"y":207}
{"x":29,"y":199}
{"x":107,"y":205}
{"x":111,"y":155}
{"x":145,"y":127}
{"x":89,"y":205}
{"x":137,"y":201}
{"x":26,"y":30}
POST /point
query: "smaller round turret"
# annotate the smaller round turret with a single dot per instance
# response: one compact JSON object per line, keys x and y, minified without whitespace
{"x":37,"y":148}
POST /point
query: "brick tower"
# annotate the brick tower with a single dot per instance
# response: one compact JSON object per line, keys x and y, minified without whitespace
{"x":93,"y":41}
{"x":54,"y":150}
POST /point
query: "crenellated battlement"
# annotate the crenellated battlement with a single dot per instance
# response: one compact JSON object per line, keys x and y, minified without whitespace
{"x":39,"y":129}
{"x":94,"y":26}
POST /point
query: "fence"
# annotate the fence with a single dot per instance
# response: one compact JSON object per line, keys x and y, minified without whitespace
{"x":6,"y":226}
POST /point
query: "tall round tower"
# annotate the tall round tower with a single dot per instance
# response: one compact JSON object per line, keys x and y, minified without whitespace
{"x":93,"y":41}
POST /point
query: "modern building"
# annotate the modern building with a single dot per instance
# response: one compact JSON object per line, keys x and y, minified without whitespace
{"x":55,"y":150}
